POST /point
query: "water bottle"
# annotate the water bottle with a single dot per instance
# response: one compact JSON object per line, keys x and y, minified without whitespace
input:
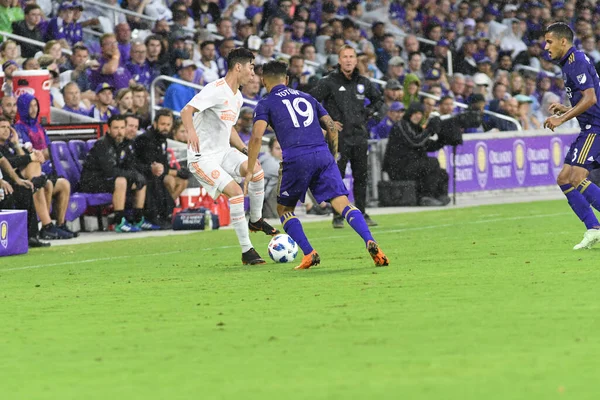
{"x":208,"y":224}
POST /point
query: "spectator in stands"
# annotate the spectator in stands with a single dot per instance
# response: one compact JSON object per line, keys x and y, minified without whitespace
{"x":72,"y":98}
{"x":104,"y":109}
{"x":179,"y":26}
{"x":385,"y":51}
{"x":392,"y":116}
{"x":297,"y":78}
{"x":10,"y":11}
{"x":299,"y":32}
{"x":378,"y":35}
{"x":58,"y":26}
{"x":110,"y":168}
{"x":165,"y":184}
{"x":267,"y":50}
{"x":395,"y":69}
{"x":156,"y":53}
{"x":525,"y":115}
{"x":414,"y":65}
{"x":244,"y":123}
{"x":75,"y":29}
{"x":138,"y":65}
{"x":178,"y":95}
{"x":392,"y":92}
{"x":132,"y":126}
{"x":29,"y":28}
{"x":178,"y":132}
{"x":123,"y":37}
{"x":110,"y":70}
{"x":225,"y":48}
{"x":125,"y":101}
{"x":439,"y":56}
{"x":79,"y":63}
{"x":465,"y":62}
{"x":406,"y":159}
{"x":31,"y":64}
{"x":9,"y":52}
{"x":141,"y":106}
{"x":208,"y":64}
{"x":512,"y":39}
{"x":34,"y":136}
{"x":446,"y":107}
{"x":17,"y":191}
{"x":206,"y":12}
{"x":511,"y":109}
{"x":412,"y":85}
{"x":243,"y":30}
{"x":411,"y":45}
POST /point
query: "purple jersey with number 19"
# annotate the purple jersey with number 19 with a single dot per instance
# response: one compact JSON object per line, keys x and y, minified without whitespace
{"x":307,"y":162}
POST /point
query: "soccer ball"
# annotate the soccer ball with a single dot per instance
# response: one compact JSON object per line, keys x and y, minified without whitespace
{"x":283,"y":248}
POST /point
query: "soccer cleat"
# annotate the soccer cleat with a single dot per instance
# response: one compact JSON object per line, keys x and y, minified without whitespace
{"x":309,"y":260}
{"x":125,"y":227}
{"x":380,"y":259}
{"x":338,"y":221}
{"x":51,"y":232}
{"x":590,"y":238}
{"x":251,"y":257}
{"x":369,"y":221}
{"x":35,"y":242}
{"x":262,"y":226}
{"x":146,"y":225}
{"x":64,"y":228}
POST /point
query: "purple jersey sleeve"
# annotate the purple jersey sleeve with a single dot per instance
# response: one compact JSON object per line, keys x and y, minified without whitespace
{"x":581,"y":74}
{"x":261,"y":113}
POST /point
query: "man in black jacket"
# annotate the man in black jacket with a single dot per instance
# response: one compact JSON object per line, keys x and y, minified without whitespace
{"x":29,"y":28}
{"x":406,"y":158}
{"x":165,"y":184}
{"x":110,"y":168}
{"x":343,"y":93}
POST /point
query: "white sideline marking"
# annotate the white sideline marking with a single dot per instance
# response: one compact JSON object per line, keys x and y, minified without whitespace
{"x":418,"y":228}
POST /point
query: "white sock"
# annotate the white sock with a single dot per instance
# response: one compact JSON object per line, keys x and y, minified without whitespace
{"x":238,"y":220}
{"x":256,"y":193}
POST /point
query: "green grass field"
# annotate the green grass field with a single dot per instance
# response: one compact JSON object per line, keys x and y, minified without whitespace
{"x":481,"y":303}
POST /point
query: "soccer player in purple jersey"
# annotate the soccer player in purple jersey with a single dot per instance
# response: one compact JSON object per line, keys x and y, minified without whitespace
{"x":308,"y":161}
{"x":583,"y":89}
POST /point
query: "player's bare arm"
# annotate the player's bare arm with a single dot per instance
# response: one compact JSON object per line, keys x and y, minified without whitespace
{"x":332,"y":133}
{"x":258,"y":130}
{"x":237,"y":142}
{"x":558,"y":108}
{"x":588,"y":100}
{"x":192,"y":137}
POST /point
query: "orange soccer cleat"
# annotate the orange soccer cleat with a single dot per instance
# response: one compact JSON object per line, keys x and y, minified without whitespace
{"x":380,"y":259}
{"x":309,"y":260}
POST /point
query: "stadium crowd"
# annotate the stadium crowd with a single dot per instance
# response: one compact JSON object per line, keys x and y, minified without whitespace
{"x":484,"y":54}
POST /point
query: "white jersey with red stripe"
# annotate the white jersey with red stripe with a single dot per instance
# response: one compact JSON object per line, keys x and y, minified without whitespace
{"x":218,"y":111}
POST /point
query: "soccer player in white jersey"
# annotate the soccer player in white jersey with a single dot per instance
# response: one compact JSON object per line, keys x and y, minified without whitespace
{"x":217,"y":155}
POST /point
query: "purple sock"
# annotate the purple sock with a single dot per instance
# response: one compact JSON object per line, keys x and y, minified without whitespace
{"x":580,"y":206}
{"x":591,"y":192}
{"x":357,"y":222}
{"x":293,"y":227}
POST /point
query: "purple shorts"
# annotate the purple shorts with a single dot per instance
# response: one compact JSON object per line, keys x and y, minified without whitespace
{"x":316,"y":171}
{"x":585,"y":150}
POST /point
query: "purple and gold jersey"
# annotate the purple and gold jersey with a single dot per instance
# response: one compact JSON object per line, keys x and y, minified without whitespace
{"x":294,"y":116}
{"x":579,"y":74}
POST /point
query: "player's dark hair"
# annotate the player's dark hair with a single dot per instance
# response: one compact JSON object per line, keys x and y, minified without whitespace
{"x":163,"y":112}
{"x":117,"y":117}
{"x":561,"y":30}
{"x":239,"y":55}
{"x":274,"y":69}
{"x":4,"y":119}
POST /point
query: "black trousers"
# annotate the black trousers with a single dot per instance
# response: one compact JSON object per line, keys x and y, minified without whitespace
{"x":358,"y":157}
{"x":430,"y":178}
{"x":159,"y":203}
{"x":22,"y":199}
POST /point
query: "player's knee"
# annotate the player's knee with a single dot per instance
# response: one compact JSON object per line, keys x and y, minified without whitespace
{"x":562,"y":180}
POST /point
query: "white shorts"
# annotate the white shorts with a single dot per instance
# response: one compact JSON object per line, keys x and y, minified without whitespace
{"x":216,"y":171}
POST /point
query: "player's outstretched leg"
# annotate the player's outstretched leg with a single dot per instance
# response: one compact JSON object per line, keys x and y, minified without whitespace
{"x":357,"y":221}
{"x":293,"y":227}
{"x":238,"y":220}
{"x":590,"y":193}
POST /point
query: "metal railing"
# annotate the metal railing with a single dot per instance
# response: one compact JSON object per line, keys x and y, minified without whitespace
{"x":461,"y":105}
{"x":34,"y":42}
